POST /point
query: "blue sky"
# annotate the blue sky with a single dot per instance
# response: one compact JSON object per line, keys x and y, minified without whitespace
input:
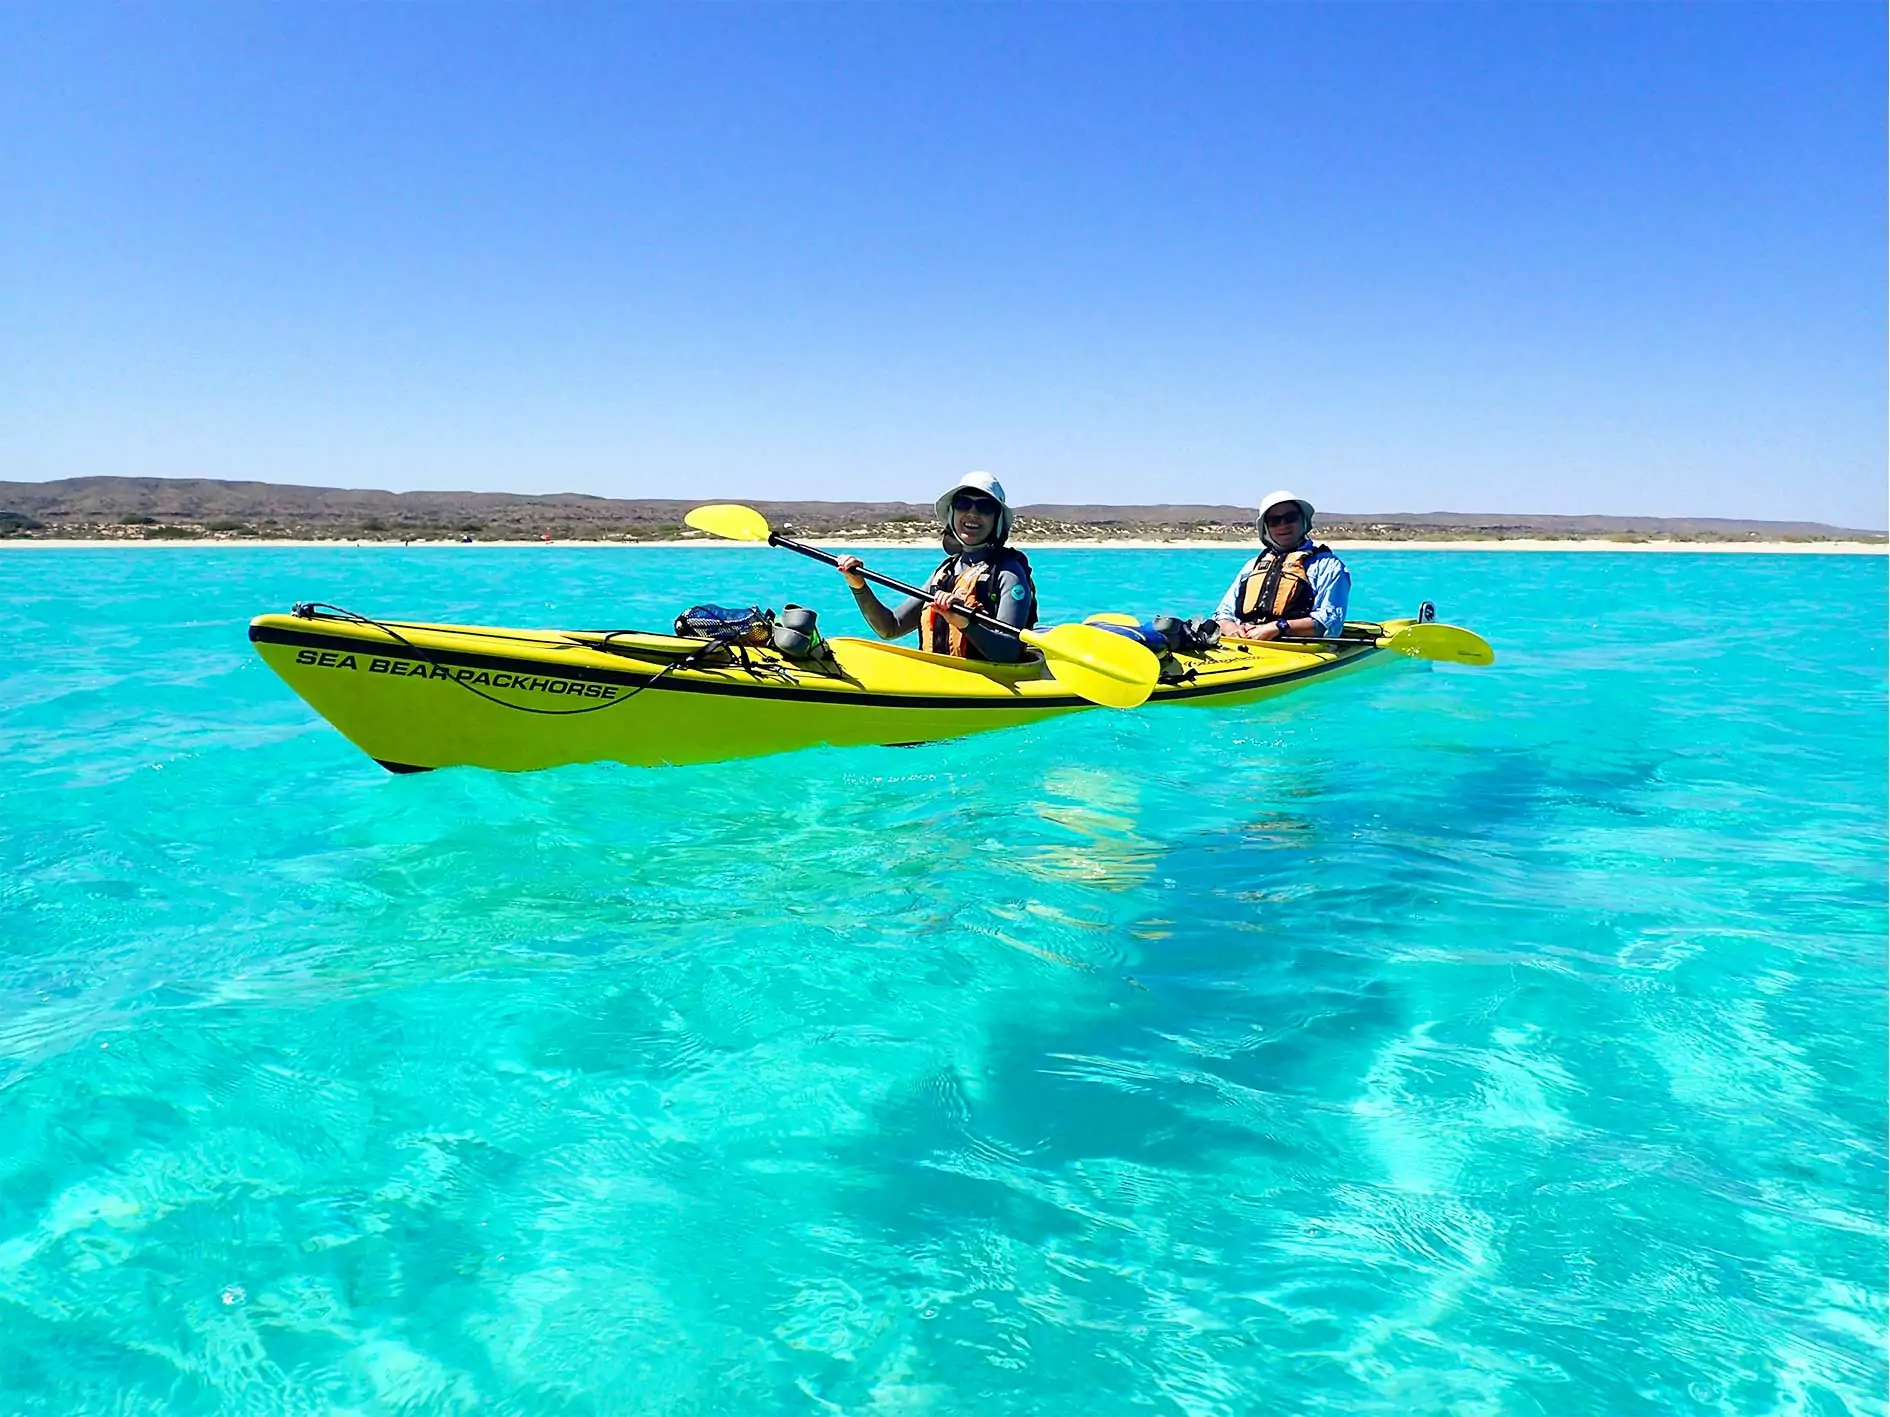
{"x":1554,"y":258}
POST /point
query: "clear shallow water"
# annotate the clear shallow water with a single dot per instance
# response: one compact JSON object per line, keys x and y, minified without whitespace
{"x":1431,"y":1041}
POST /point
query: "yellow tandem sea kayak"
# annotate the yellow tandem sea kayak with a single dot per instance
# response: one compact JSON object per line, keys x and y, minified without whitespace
{"x":416,"y":696}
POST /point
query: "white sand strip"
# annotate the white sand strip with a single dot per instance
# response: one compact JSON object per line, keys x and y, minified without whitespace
{"x":1788,"y":548}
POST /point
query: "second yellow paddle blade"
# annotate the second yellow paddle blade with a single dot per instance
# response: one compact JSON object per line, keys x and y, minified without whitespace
{"x":729,"y":520}
{"x":1105,"y":668}
{"x":1450,"y":643}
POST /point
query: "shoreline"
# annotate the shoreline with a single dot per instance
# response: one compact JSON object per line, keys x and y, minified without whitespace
{"x":1787,"y":548}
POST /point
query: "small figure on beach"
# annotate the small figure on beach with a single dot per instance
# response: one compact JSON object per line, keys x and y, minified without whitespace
{"x":980,"y":572}
{"x":1294,"y":589}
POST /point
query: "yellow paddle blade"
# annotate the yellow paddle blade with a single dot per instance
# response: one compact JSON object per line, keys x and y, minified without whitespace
{"x":729,"y":520}
{"x":1450,"y":643}
{"x":1111,"y":617}
{"x":1105,"y":668}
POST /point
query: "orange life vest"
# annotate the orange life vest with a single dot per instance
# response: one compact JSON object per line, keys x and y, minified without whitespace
{"x":975,"y":583}
{"x":1277,"y":587}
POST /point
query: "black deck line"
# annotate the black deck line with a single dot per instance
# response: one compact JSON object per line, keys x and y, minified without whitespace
{"x":670,"y":683}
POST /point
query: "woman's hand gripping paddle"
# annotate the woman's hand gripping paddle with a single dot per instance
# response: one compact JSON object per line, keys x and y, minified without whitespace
{"x":1104,"y":668}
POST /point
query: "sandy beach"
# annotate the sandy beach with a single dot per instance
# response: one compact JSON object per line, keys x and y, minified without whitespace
{"x":1783,"y":548}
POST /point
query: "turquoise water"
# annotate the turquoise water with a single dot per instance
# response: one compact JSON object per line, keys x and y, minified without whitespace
{"x":1436,"y":1040}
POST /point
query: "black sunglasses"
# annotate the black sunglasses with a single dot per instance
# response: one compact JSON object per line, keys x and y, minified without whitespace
{"x":964,"y":503}
{"x":1283,"y":518}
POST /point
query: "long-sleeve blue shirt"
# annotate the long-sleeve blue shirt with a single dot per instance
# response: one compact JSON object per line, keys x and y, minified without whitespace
{"x":1331,"y":583}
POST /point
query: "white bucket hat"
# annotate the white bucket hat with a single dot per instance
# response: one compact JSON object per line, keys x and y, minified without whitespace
{"x":986,"y":484}
{"x":1273,"y":499}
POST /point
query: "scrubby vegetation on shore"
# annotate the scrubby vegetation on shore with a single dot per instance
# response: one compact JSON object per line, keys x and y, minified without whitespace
{"x":149,"y":508}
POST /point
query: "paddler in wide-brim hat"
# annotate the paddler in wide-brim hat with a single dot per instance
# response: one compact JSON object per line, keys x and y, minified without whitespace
{"x":980,"y":571}
{"x":1295,"y":588}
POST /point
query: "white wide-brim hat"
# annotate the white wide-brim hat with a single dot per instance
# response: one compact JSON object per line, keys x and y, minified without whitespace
{"x":1273,"y":499}
{"x":976,"y":482}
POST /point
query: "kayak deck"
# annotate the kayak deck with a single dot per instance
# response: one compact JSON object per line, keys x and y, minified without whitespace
{"x":417,"y":696}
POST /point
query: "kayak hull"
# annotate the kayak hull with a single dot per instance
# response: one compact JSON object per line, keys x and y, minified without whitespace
{"x":417,"y":696}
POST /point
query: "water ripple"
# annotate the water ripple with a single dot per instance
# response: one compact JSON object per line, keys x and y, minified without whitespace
{"x":1431,"y":1042}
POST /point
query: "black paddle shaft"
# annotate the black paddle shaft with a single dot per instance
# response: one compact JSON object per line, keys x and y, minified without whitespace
{"x":989,"y":622}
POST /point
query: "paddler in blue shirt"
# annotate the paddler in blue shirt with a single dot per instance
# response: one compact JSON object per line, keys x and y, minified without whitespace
{"x":979,"y":571}
{"x":1294,"y":589}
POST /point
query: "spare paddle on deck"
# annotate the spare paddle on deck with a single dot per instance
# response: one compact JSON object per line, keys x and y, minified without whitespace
{"x":1104,"y":668}
{"x":1450,"y":643}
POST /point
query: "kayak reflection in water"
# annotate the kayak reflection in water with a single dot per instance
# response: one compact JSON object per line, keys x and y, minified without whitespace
{"x":979,"y":572}
{"x":1294,"y":588}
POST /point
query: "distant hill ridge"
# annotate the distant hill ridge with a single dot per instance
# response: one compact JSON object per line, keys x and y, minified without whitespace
{"x":130,"y":507}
